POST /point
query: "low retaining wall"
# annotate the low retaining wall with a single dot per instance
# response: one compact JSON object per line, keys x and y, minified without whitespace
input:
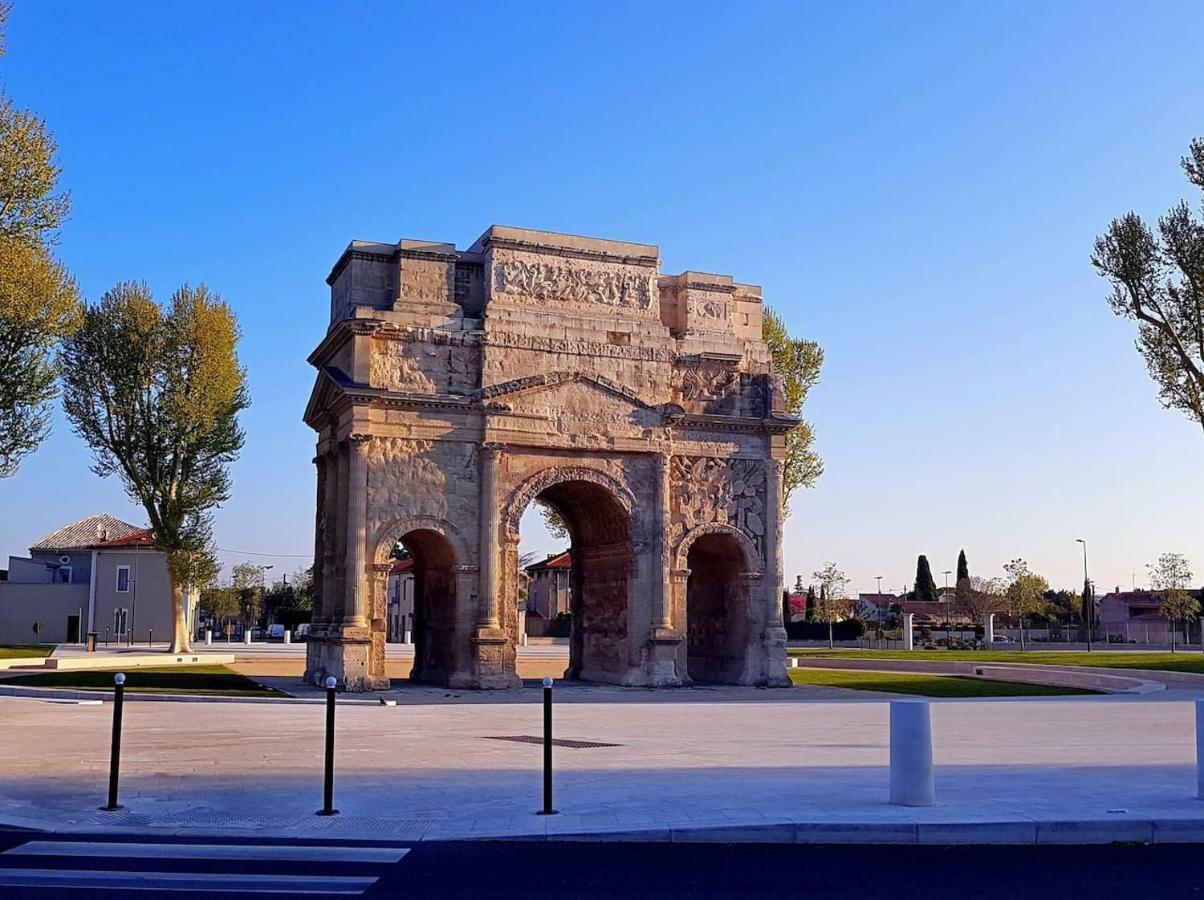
{"x":123,"y":661}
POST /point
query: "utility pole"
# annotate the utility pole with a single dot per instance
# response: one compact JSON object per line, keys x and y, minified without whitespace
{"x":1088,"y":598}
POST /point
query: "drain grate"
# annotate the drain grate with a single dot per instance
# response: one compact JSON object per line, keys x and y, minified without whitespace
{"x":556,"y":742}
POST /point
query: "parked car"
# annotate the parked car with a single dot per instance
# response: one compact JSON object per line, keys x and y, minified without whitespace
{"x":1003,"y":639}
{"x":276,"y":632}
{"x":301,"y":632}
{"x":256,"y":633}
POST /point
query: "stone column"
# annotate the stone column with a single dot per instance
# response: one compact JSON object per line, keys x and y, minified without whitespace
{"x":988,"y":631}
{"x":773,"y":539}
{"x":489,"y":536}
{"x":908,"y":622}
{"x":355,"y":610}
{"x":321,"y":613}
{"x":663,"y":517}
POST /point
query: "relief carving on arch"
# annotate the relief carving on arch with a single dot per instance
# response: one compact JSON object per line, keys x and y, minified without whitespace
{"x":396,"y":367}
{"x":520,"y":498}
{"x":708,"y":490}
{"x":403,"y":477}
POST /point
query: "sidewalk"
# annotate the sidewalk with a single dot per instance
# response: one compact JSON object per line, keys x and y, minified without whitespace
{"x":1016,"y":771}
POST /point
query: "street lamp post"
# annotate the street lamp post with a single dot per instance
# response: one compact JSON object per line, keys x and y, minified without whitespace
{"x":948,"y":621}
{"x":1088,"y":600}
{"x":878,"y":578}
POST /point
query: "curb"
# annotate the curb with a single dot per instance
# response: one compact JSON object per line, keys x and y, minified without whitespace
{"x":1005,"y":832}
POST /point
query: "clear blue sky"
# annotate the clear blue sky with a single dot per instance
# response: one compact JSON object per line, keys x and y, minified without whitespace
{"x":917,"y":186}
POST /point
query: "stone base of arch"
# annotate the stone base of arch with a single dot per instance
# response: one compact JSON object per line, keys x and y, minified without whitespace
{"x":344,"y":651}
{"x":493,"y":662}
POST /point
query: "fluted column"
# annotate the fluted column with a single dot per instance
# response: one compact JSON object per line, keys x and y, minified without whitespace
{"x":663,"y":514}
{"x":322,"y":613}
{"x":357,"y":527}
{"x":773,"y":538}
{"x":489,"y":536}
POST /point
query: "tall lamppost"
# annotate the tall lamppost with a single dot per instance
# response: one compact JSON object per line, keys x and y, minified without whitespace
{"x":881,"y":611}
{"x":1088,"y":599}
{"x":948,"y":622}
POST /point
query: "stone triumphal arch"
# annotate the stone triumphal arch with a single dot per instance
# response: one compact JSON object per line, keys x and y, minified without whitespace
{"x":455,"y":387}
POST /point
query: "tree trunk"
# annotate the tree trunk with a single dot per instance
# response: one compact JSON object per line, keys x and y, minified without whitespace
{"x":179,"y":636}
{"x":831,"y":642}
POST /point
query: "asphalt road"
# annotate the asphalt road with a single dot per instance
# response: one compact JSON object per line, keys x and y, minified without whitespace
{"x":33,"y":865}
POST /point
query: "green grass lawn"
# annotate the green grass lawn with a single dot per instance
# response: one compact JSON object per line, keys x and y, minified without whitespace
{"x":924,"y":685}
{"x":1183,"y":661}
{"x":11,"y":651}
{"x":166,"y":680}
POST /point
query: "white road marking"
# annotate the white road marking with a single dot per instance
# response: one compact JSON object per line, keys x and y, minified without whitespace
{"x":186,"y":881}
{"x":290,"y":852}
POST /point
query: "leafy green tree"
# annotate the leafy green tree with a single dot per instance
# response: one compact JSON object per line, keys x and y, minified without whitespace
{"x":1158,"y":281}
{"x":553,"y":521}
{"x":834,"y":602}
{"x":156,"y":394}
{"x":1025,"y":592}
{"x":39,"y":303}
{"x":925,"y":589}
{"x":1170,"y":575}
{"x":977,"y":598}
{"x":797,"y":363}
{"x":248,"y":581}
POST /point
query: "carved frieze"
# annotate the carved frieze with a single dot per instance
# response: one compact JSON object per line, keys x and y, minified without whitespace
{"x":708,"y":490}
{"x":563,"y":281}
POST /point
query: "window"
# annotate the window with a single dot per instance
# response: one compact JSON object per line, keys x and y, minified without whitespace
{"x":63,"y":575}
{"x":123,"y":579}
{"x":120,"y":619}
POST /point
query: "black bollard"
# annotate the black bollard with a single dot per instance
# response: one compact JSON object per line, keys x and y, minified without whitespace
{"x":328,"y":788}
{"x":115,"y":754}
{"x":150,"y":636}
{"x":547,"y":749}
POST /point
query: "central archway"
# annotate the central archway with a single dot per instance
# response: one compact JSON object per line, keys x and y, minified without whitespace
{"x":597,"y":515}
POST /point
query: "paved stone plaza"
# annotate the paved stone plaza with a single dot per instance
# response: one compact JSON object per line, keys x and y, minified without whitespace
{"x":733,"y":762}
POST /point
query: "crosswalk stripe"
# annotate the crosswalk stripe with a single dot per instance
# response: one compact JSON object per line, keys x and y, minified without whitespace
{"x":291,"y":852}
{"x":186,"y":881}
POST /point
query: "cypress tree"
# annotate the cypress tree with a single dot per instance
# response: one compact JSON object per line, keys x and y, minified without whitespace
{"x":925,"y":586}
{"x":810,"y":614}
{"x":963,"y":570}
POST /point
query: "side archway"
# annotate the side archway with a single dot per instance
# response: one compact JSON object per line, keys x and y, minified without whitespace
{"x":437,"y":552}
{"x":721,"y":567}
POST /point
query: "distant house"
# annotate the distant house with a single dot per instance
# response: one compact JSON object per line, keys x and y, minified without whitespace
{"x":98,"y":574}
{"x":400,"y":593}
{"x":549,"y":590}
{"x":1137,"y":616}
{"x":878,"y":608}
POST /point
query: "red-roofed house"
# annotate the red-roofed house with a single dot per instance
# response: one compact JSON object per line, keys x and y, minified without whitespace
{"x":549,"y":590}
{"x":97,"y":574}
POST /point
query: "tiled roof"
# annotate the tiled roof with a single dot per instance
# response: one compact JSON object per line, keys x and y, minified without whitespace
{"x":86,"y":533}
{"x":140,"y":538}
{"x":555,"y":561}
{"x":401,"y":566}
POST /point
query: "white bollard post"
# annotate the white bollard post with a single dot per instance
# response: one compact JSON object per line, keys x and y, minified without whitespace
{"x":208,"y":637}
{"x":911,"y":754}
{"x":988,"y":631}
{"x":288,"y":636}
{"x":1200,"y":749}
{"x":246,"y":635}
{"x":908,"y":624}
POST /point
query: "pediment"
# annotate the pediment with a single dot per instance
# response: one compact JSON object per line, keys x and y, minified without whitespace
{"x":573,"y":401}
{"x":328,"y":387}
